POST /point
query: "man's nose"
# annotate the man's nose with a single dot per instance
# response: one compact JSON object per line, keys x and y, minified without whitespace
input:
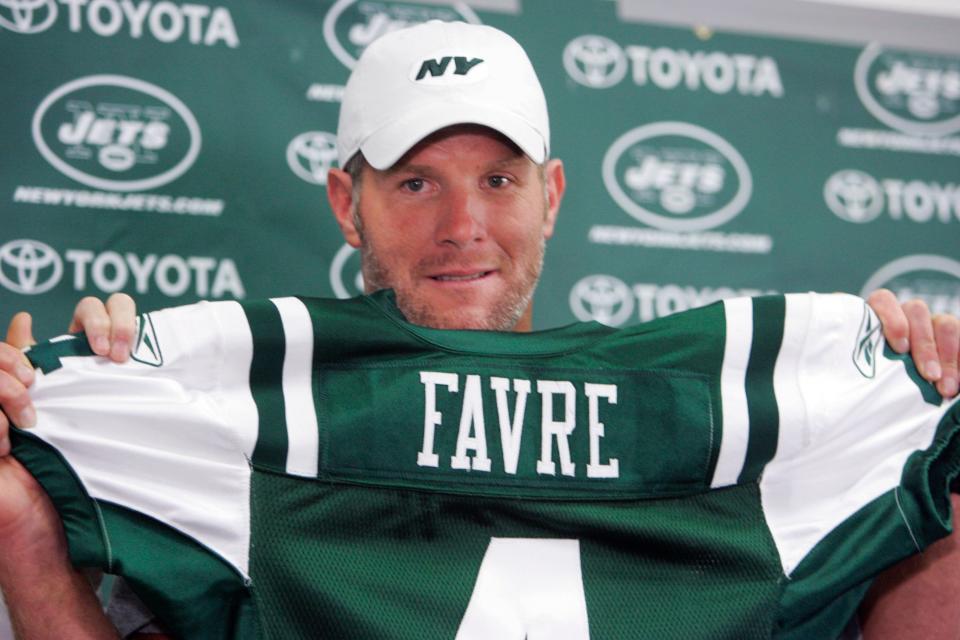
{"x":462,"y":219}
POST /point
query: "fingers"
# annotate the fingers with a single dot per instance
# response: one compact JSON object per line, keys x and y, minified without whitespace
{"x":109,"y":327}
{"x":16,"y":406}
{"x":4,"y":435}
{"x":20,"y":331}
{"x":896,"y":329}
{"x":934,"y":342}
{"x":923,"y":348}
{"x":14,"y":364}
{"x":90,"y":316}
{"x":15,"y":377}
{"x":946,"y":330}
{"x":123,"y":325}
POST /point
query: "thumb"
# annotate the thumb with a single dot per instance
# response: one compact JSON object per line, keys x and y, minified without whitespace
{"x":20,"y":331}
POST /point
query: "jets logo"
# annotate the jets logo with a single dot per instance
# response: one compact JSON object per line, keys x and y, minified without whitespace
{"x":351,"y":25}
{"x":116,"y":133}
{"x":147,"y":349}
{"x":916,"y":93}
{"x":676,"y":176}
{"x":868,"y":339}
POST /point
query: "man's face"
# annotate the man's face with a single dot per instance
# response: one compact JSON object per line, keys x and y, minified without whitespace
{"x":457,"y":229}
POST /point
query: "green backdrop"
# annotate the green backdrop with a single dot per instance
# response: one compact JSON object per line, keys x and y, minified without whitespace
{"x":178,"y":151}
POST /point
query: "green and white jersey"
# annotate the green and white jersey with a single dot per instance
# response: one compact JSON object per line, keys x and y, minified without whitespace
{"x":305,"y":468}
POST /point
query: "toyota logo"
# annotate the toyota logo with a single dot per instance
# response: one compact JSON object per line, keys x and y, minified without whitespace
{"x":29,"y":267}
{"x":27,"y":16}
{"x":603,"y":298}
{"x":595,"y":61}
{"x":310,"y":156}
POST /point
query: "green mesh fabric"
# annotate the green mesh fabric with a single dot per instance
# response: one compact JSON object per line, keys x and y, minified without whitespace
{"x":341,"y":561}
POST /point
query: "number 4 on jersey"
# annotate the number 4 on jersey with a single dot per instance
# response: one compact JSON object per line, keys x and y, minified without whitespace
{"x":528,"y":589}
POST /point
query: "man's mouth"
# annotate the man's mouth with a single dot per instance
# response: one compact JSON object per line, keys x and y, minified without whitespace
{"x":460,"y":277}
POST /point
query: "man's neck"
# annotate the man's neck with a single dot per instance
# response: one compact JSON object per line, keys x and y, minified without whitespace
{"x":525,"y":323}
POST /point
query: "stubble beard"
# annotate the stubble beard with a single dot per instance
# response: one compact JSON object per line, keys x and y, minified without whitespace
{"x":503,"y":315}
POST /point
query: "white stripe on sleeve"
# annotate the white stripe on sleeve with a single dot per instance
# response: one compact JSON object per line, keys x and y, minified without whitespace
{"x":736,"y":420}
{"x":303,"y":440}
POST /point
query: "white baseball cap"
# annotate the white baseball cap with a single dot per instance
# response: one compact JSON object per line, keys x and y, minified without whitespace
{"x":412,"y":82}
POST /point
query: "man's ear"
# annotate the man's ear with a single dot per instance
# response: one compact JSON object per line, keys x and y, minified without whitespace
{"x":340,"y":197}
{"x":556,"y":184}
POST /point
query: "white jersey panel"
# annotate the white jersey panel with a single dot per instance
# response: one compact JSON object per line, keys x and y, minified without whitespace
{"x":155,"y":438}
{"x":303,"y":437}
{"x":233,"y":391}
{"x":794,"y":428}
{"x":860,"y":425}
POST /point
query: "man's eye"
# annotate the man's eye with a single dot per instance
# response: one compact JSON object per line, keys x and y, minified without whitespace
{"x":497,"y":181}
{"x":414,"y":184}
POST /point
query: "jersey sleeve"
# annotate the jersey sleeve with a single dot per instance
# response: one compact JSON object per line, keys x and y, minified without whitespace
{"x":866,"y":454}
{"x":165,"y":436}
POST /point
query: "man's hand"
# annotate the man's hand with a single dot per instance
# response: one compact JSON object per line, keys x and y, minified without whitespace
{"x":907,"y":601}
{"x":933,"y":341}
{"x":110,"y":330}
{"x":109,"y":327}
{"x":16,"y":375}
{"x":45,"y":596}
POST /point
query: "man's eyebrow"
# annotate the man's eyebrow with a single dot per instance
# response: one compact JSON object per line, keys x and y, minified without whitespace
{"x":427,"y":170}
{"x":510,"y":161}
{"x":420,"y":169}
{"x":409,"y":169}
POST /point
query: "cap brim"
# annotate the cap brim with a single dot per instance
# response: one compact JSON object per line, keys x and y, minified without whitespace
{"x":388,"y":144}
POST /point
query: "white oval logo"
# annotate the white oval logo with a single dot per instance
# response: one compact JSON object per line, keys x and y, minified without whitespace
{"x":27,"y":16}
{"x":311,"y":155}
{"x":677,"y":176}
{"x":594,"y":61}
{"x":350,"y":26}
{"x":917,"y":93}
{"x":29,"y":267}
{"x":853,"y":196}
{"x":116,"y":133}
{"x":932,"y":278}
{"x":346,"y":263}
{"x":603,"y":298}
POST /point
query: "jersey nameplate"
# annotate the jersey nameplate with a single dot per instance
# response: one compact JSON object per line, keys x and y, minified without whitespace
{"x":543,"y":432}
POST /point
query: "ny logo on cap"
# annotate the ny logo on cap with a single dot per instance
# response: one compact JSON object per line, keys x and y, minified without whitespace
{"x":436,"y":68}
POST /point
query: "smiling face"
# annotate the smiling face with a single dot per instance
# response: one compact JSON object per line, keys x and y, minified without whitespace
{"x":456,"y":228}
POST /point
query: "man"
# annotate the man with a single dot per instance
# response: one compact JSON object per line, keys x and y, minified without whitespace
{"x":450,"y":208}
